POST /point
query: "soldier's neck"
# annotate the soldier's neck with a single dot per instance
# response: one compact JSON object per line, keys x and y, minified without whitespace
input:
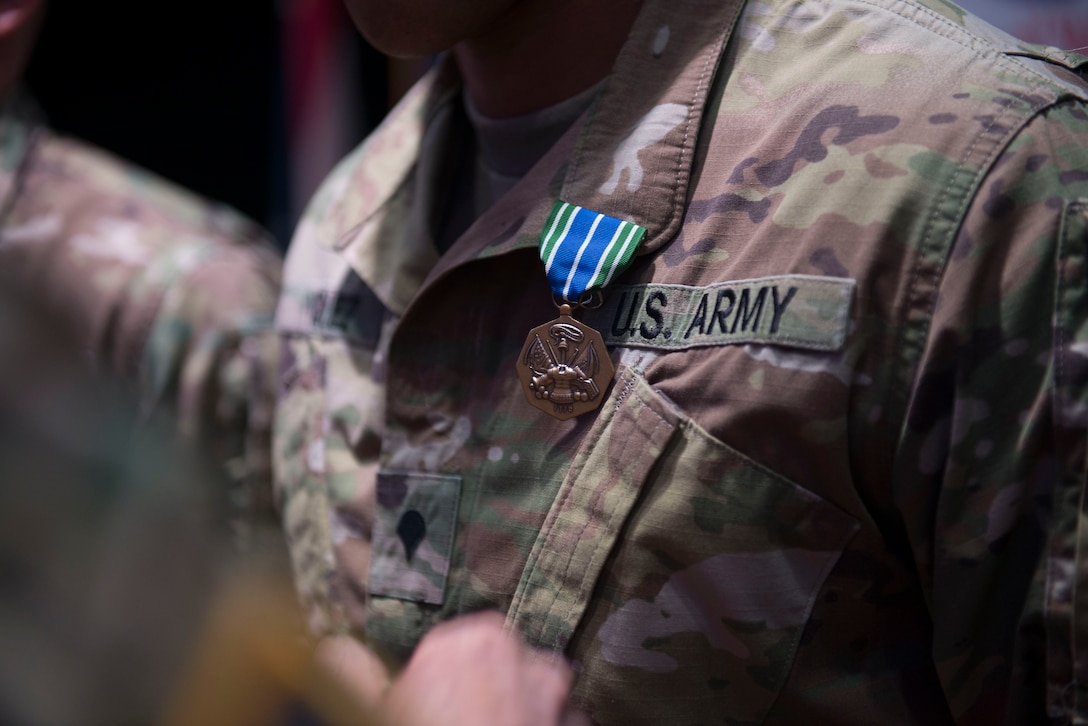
{"x":542,"y":52}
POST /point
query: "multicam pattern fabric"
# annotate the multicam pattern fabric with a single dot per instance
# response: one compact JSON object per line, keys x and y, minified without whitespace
{"x":414,"y":522}
{"x":882,"y":528}
{"x":167,"y":292}
{"x":92,"y":510}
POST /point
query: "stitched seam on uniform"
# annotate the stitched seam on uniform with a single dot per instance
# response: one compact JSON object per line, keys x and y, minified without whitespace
{"x":1049,"y":603}
{"x":628,"y":386}
{"x":1063,"y":234}
{"x":809,"y":280}
{"x":540,"y":547}
{"x":570,"y":559}
{"x":716,"y":50}
{"x":681,"y":190}
{"x":989,"y":52}
{"x":1056,"y":707}
{"x":779,"y":340}
{"x":514,"y":612}
{"x":1076,"y":661}
{"x":559,"y":509}
{"x":931,"y":223}
{"x":753,"y":339}
{"x":452,"y":512}
{"x":1059,"y":344}
{"x":590,"y":577}
{"x":762,"y":470}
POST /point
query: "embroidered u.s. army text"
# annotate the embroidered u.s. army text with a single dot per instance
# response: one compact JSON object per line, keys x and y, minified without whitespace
{"x":799,"y":311}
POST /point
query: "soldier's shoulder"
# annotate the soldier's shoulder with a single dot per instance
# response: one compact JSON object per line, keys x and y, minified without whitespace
{"x":131,"y":251}
{"x":84,"y":184}
{"x":945,"y":31}
{"x":118,"y":214}
{"x":368,"y":177}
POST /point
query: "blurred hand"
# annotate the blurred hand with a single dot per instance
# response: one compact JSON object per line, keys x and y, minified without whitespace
{"x":355,"y":669}
{"x":465,"y":671}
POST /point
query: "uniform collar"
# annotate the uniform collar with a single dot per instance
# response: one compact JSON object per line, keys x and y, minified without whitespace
{"x":630,"y":156}
{"x":634,"y":157}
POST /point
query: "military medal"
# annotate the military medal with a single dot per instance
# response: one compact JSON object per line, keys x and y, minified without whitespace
{"x":564,"y":366}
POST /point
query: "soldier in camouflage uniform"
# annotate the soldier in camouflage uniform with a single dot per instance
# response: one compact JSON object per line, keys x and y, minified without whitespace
{"x":157,"y":286}
{"x":93,"y":509}
{"x":838,"y":475}
{"x":167,"y":291}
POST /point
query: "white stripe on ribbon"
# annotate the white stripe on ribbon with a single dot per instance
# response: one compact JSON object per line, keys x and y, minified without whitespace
{"x":578,"y":257}
{"x":623,"y":251}
{"x":559,"y":242}
{"x":607,"y":249}
{"x":555,"y":223}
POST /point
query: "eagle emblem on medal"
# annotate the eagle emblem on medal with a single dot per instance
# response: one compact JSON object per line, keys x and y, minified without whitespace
{"x":564,"y":367}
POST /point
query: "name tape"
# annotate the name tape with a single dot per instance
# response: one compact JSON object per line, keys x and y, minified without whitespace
{"x":799,"y":311}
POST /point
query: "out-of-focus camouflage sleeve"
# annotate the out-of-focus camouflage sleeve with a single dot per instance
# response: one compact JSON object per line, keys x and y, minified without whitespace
{"x":210,"y":359}
{"x":997,"y":426}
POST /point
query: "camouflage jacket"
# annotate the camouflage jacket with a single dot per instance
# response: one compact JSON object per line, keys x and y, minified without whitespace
{"x":838,"y":475}
{"x":168,"y":293}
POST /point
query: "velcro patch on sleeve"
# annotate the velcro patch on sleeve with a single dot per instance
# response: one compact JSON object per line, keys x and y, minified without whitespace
{"x":796,"y":311}
{"x":414,"y":524}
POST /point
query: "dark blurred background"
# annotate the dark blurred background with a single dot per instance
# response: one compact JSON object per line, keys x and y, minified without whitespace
{"x":245,"y":101}
{"x":251,"y":101}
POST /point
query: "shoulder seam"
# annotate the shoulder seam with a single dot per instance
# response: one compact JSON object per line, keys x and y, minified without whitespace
{"x":983,"y":48}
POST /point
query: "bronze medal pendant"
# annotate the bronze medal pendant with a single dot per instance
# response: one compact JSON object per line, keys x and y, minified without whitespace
{"x":564,"y":367}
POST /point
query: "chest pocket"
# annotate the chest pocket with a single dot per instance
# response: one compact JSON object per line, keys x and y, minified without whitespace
{"x":673,"y":567}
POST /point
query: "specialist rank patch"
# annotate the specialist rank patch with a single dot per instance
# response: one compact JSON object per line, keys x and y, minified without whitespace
{"x":798,"y":311}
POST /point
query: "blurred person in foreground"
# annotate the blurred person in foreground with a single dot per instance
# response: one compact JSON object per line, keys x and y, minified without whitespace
{"x":122,"y":601}
{"x":735,"y":350}
{"x":168,"y":293}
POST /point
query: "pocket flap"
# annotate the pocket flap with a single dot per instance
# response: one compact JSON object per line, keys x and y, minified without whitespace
{"x":632,"y":430}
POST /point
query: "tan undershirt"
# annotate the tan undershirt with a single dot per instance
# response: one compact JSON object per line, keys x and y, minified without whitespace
{"x":501,"y":152}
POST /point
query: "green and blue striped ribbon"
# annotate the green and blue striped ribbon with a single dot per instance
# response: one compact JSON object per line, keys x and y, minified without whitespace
{"x":583,"y":250}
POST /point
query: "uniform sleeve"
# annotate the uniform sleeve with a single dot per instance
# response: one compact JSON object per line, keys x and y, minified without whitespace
{"x":210,"y":363}
{"x":990,"y":470}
